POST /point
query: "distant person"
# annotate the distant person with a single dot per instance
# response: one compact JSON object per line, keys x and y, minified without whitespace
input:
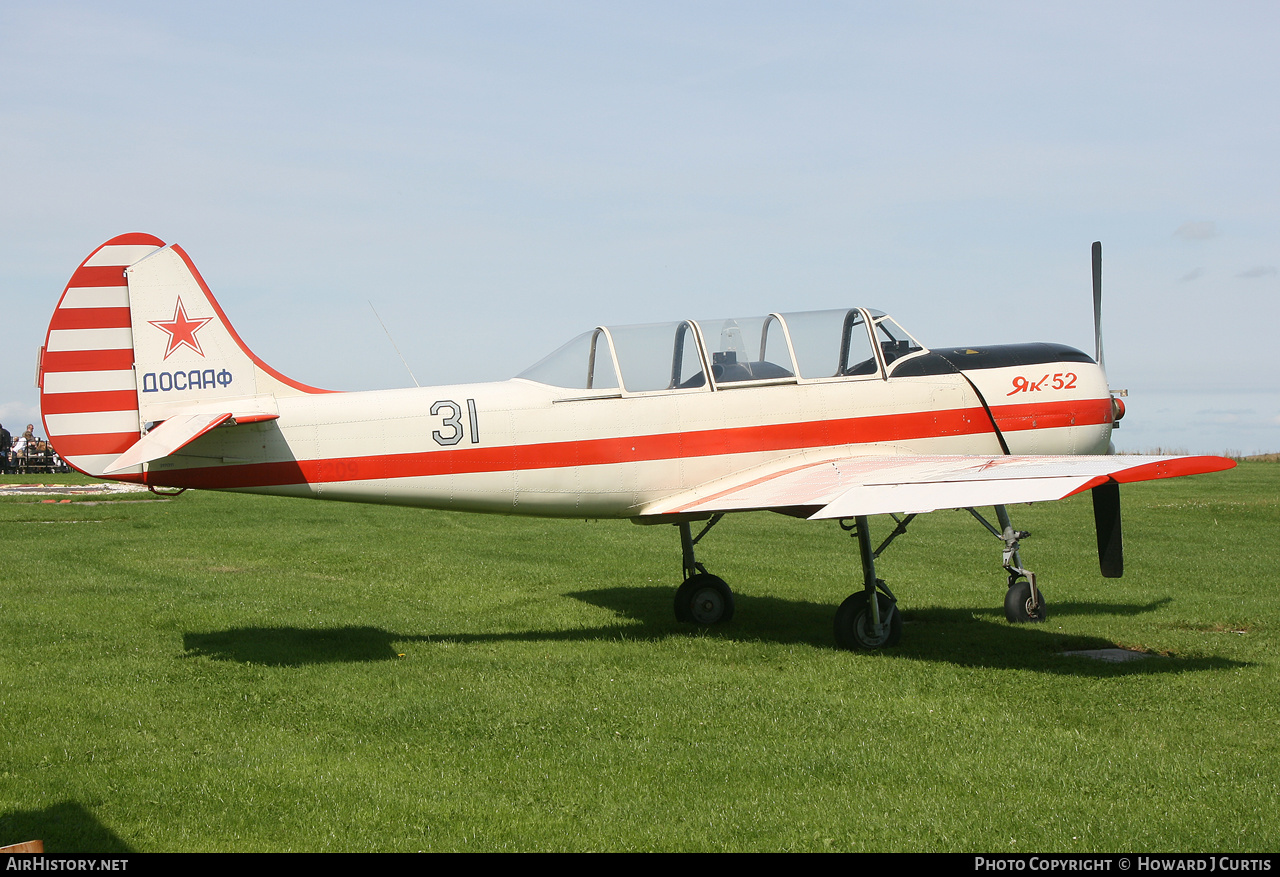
{"x":24,"y":441}
{"x":19,"y":450}
{"x":6,"y":445}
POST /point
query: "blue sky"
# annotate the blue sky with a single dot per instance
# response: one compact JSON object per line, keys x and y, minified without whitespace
{"x":496,"y":177}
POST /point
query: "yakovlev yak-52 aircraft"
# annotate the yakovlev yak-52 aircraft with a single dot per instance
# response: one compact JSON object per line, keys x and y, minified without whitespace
{"x":825,"y":414}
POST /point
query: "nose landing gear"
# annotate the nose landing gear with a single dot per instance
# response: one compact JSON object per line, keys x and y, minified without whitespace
{"x":1023,"y":602}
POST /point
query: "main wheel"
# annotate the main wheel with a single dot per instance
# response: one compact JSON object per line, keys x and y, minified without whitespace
{"x":704,"y":599}
{"x":854,"y":629}
{"x":1018,"y":607}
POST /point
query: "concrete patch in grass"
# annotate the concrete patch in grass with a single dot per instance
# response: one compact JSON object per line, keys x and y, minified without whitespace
{"x":111,"y":487}
{"x":1111,"y":656}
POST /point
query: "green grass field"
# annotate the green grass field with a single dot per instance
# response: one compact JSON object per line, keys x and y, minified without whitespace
{"x":223,"y":672}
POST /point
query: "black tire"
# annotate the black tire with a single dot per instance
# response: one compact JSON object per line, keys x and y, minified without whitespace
{"x":704,"y":599}
{"x":1017,"y":604}
{"x":853,"y":623}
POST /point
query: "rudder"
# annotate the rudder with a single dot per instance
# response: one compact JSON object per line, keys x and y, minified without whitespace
{"x":88,"y":394}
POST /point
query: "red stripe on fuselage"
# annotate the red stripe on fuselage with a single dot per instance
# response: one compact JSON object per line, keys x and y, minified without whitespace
{"x":1038,"y":415}
{"x":628,"y":449}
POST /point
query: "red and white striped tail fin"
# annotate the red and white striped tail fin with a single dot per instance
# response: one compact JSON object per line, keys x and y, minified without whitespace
{"x":137,"y":339}
{"x":88,"y":394}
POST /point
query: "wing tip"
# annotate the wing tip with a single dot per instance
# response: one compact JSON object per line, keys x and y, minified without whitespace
{"x":1174,"y":467}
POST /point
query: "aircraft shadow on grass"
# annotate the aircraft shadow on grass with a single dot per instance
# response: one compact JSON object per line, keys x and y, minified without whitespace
{"x":297,"y":646}
{"x":65,"y":828}
{"x":962,"y":637}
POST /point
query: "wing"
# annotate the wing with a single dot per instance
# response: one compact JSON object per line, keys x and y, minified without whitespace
{"x":847,"y":487}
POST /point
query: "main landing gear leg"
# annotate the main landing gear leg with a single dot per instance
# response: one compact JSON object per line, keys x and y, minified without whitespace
{"x":1023,"y":602}
{"x":870,"y":618}
{"x":703,"y":598}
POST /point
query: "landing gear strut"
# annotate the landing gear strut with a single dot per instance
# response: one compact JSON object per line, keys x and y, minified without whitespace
{"x":867,"y":619}
{"x":1023,"y":602}
{"x":703,"y":598}
{"x":870,"y":618}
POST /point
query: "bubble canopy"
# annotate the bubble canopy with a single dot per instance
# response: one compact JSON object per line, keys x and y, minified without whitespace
{"x":799,"y":347}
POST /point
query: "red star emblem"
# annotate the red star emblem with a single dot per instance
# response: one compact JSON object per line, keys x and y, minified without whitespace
{"x":182,"y":330}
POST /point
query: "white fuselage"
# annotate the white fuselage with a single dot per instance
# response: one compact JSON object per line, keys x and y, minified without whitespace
{"x":521,"y":447}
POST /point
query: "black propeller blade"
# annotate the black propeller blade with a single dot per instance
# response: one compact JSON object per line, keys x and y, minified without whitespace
{"x":1106,"y":497}
{"x":1097,"y":303}
{"x":1106,"y":518}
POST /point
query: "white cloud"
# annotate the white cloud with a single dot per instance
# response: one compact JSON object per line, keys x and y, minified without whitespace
{"x":12,"y":412}
{"x":1258,"y":271}
{"x":1197,"y":231}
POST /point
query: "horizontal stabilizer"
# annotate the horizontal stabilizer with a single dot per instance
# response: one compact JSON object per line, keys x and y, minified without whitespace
{"x":175,"y":433}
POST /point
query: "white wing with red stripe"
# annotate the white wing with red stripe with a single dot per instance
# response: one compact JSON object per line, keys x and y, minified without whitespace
{"x":852,"y":486}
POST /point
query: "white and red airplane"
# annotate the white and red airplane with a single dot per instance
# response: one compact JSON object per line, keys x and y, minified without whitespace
{"x":825,"y":414}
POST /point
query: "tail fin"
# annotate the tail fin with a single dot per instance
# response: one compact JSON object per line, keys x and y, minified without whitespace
{"x":137,"y":338}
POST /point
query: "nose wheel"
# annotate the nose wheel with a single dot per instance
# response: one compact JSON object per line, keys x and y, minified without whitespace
{"x":1023,"y":604}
